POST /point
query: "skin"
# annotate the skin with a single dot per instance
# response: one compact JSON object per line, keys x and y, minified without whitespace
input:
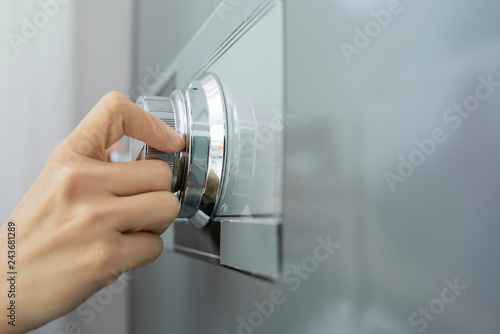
{"x":86,"y":221}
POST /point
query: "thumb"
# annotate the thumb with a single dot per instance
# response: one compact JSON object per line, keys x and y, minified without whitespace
{"x":114,"y":116}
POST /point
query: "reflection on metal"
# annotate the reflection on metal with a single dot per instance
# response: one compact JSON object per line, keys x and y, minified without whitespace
{"x":199,"y":115}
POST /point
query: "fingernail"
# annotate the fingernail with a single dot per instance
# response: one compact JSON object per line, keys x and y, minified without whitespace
{"x":176,"y":138}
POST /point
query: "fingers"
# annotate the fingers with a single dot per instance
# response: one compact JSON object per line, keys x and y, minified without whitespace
{"x":115,"y":116}
{"x":140,"y":249}
{"x":137,"y":177}
{"x":152,"y":212}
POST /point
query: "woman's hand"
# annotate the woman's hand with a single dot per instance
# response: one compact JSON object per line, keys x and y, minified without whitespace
{"x":86,"y":221}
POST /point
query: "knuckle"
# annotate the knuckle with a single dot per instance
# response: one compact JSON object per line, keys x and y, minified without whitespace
{"x":105,"y":254}
{"x":55,"y":158}
{"x":71,"y":183}
{"x":95,"y":216}
{"x":116,"y":104}
{"x":115,"y":96}
{"x":56,"y":164}
{"x":62,"y":156}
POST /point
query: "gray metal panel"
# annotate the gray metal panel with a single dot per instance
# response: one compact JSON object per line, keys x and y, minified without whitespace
{"x":212,"y":38}
{"x":163,"y":29}
{"x":251,"y":245}
{"x":383,"y":258}
{"x":253,"y":72}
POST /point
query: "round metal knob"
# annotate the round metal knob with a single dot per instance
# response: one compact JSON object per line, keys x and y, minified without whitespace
{"x":199,"y":115}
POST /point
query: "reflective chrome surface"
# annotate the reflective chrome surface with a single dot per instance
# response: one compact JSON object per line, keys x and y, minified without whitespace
{"x":200,"y":116}
{"x":209,"y":128}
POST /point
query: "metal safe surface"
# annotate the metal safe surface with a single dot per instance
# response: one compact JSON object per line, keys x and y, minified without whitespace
{"x":390,"y":218}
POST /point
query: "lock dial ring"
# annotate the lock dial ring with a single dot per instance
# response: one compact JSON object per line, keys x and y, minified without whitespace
{"x":200,"y":116}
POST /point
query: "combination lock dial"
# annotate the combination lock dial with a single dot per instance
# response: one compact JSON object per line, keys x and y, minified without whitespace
{"x":199,"y":115}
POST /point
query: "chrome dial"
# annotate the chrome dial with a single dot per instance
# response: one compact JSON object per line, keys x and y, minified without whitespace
{"x":199,"y":115}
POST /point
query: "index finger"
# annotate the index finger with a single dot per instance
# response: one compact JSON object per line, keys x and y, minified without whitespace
{"x":114,"y":116}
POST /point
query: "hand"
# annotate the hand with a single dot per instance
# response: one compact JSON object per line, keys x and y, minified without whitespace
{"x":86,"y":221}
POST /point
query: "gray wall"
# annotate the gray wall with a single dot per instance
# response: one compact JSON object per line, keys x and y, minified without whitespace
{"x":400,"y":252}
{"x":35,"y":82}
{"x":79,"y":54}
